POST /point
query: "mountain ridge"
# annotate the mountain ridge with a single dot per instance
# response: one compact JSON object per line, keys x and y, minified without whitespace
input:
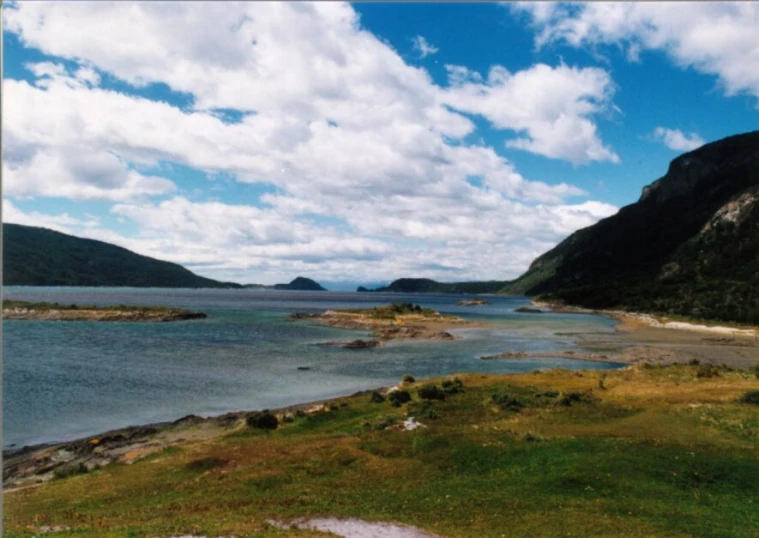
{"x":689,"y":246}
{"x":35,"y":256}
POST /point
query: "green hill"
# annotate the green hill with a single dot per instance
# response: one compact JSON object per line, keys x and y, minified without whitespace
{"x":41,"y":257}
{"x":689,"y":246}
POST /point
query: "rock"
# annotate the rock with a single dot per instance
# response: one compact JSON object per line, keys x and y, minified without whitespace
{"x":361,"y":344}
{"x":529,"y":310}
{"x":472,"y":302}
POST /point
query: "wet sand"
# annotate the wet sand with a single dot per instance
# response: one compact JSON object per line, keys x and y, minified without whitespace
{"x":640,"y":338}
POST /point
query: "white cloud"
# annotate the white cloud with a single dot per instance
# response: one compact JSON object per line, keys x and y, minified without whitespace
{"x":676,"y":140}
{"x":365,"y":152}
{"x":551,"y":105}
{"x":716,"y":38}
{"x":424,"y":47}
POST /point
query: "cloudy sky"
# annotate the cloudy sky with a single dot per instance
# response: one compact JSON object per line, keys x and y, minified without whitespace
{"x":358,"y":143}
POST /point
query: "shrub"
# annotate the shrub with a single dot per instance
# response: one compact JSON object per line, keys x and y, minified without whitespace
{"x":755,"y":369}
{"x":549,"y":394}
{"x":376,"y":397}
{"x":750,"y":397}
{"x":263,"y":420}
{"x":408,"y":378}
{"x":399,"y":397}
{"x":453,"y":386}
{"x":574,"y":397}
{"x":506,"y":402}
{"x":69,"y":469}
{"x":384,"y":423}
{"x":431,"y":392}
{"x":694,"y":362}
{"x":707,"y":371}
{"x":205,"y":464}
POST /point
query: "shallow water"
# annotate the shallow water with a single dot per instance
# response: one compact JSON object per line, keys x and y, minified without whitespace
{"x":64,"y":380}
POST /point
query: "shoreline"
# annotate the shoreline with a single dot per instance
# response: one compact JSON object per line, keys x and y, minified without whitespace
{"x":632,"y":342}
{"x":644,"y":338}
{"x":32,"y":465}
{"x":629,"y":321}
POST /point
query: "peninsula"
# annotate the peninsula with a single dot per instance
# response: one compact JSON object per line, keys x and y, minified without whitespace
{"x":22,"y":310}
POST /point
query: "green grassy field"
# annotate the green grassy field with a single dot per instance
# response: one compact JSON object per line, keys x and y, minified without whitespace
{"x":646,"y":451}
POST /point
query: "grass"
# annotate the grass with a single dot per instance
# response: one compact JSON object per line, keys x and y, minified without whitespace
{"x":396,"y":311}
{"x":658,"y":452}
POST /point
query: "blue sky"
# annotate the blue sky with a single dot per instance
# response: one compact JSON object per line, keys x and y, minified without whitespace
{"x":358,"y":143}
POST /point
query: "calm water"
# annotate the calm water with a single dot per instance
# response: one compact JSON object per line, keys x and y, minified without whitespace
{"x":64,"y":380}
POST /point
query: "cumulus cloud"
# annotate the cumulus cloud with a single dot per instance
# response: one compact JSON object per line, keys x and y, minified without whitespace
{"x":424,"y":47}
{"x":676,"y":140}
{"x":366,"y":154}
{"x":716,"y":38}
{"x":553,"y":106}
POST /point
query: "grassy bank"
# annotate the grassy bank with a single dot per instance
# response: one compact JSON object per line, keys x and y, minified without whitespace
{"x":646,"y":451}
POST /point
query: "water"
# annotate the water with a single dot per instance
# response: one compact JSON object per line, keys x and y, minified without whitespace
{"x":64,"y":380}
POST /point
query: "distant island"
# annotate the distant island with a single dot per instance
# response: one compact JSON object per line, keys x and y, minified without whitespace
{"x":22,"y":310}
{"x":300,"y":284}
{"x":41,"y":257}
{"x":426,"y":285}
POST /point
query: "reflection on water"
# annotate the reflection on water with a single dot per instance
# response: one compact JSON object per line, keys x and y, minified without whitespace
{"x":63,"y":380}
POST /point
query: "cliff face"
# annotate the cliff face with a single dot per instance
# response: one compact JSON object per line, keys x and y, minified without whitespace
{"x":689,"y":245}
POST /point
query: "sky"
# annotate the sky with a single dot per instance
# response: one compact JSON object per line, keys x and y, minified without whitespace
{"x":358,"y":143}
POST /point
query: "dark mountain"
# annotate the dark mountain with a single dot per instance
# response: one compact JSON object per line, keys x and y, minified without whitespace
{"x":41,"y":257}
{"x":426,"y":285}
{"x":689,"y":246}
{"x":300,"y":284}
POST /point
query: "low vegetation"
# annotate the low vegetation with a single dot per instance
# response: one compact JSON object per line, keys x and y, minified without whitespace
{"x":660,"y":451}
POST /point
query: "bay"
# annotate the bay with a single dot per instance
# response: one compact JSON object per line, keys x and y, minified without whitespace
{"x":65,"y":380}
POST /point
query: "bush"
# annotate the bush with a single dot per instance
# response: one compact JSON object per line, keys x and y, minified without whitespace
{"x":750,"y":397}
{"x":574,"y":397}
{"x":506,"y":402}
{"x":453,"y":386}
{"x":399,"y":397}
{"x":205,"y":464}
{"x":707,"y":371}
{"x":376,"y":397}
{"x":384,"y":423}
{"x":423,"y":409}
{"x":408,"y":378}
{"x":431,"y":392}
{"x":69,"y":469}
{"x":263,"y":420}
